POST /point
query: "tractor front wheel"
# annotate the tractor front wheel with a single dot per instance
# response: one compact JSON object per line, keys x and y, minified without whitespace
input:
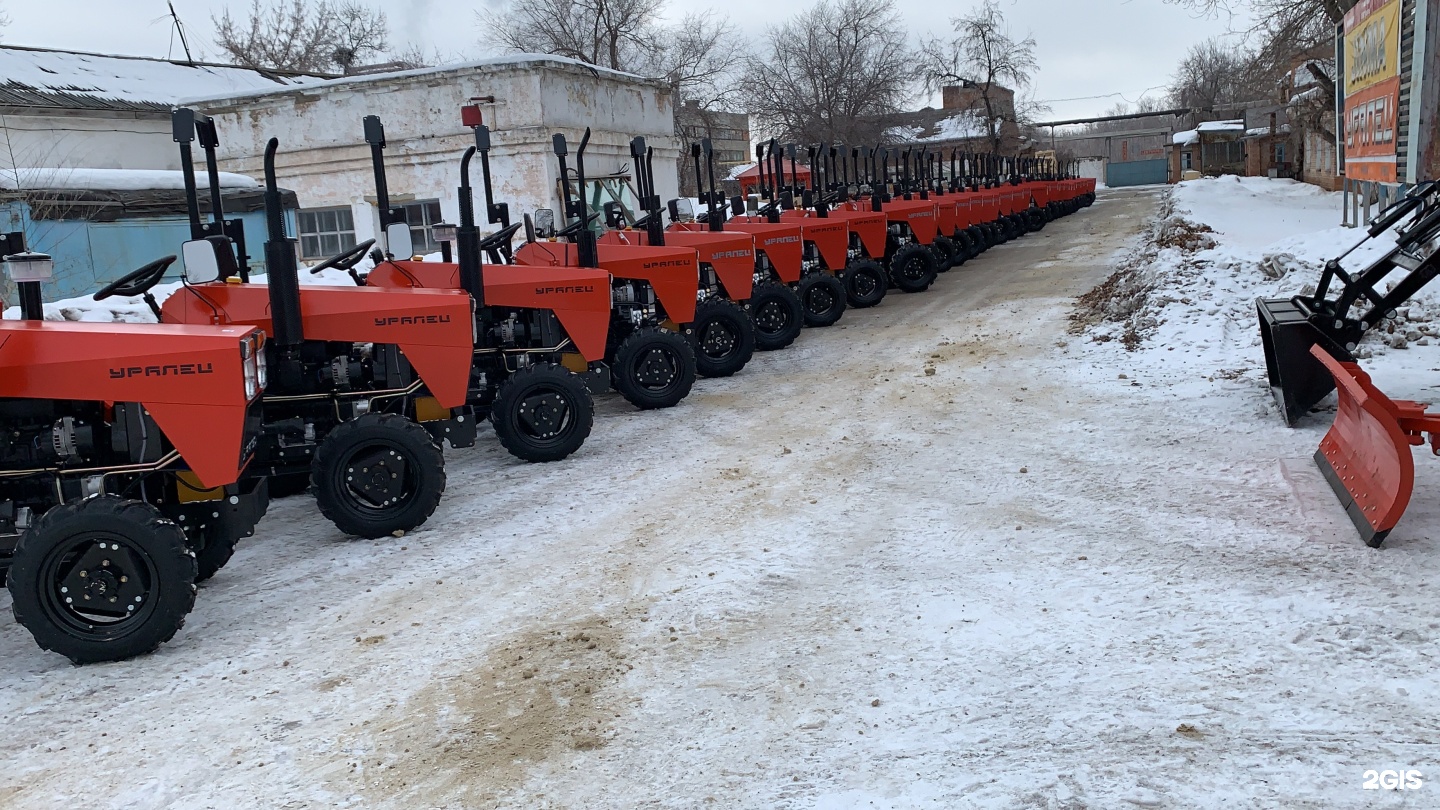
{"x":378,"y":474}
{"x":947,"y":253}
{"x":778,"y":316}
{"x":912,"y":268}
{"x":542,"y":413}
{"x":723,"y":336}
{"x":824,"y":298}
{"x":102,"y":579}
{"x":654,"y":368}
{"x":865,"y":284}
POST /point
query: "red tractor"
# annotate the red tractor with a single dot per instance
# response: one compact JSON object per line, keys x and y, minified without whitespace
{"x":618,"y":305}
{"x":124,"y":459}
{"x":364,"y":384}
{"x":911,"y":226}
{"x":723,"y":333}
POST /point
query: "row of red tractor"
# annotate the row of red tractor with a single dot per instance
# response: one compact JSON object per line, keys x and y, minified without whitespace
{"x":135,"y":456}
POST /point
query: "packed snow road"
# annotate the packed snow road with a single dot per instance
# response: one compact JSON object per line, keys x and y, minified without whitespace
{"x":838,"y":580}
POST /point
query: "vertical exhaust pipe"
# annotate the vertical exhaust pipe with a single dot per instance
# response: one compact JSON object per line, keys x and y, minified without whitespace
{"x":467,"y":236}
{"x":280,"y":264}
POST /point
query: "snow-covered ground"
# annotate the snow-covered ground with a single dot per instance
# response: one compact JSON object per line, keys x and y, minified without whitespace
{"x":1053,"y":573}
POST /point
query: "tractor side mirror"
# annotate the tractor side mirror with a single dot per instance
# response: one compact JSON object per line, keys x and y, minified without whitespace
{"x":682,"y":210}
{"x":752,"y":204}
{"x":544,"y":220}
{"x":614,"y":215}
{"x":737,"y":205}
{"x":209,"y":259}
{"x":398,"y":241}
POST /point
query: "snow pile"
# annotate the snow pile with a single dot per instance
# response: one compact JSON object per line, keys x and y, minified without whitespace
{"x":132,"y":79}
{"x":1185,"y":294}
{"x":112,"y":179}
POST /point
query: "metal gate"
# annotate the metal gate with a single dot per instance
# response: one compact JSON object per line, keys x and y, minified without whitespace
{"x":1137,"y":173}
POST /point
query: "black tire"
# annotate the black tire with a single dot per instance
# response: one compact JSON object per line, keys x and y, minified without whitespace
{"x":216,"y":553}
{"x":555,"y":431}
{"x":823,"y":296}
{"x":723,"y":337}
{"x":947,"y":253}
{"x":979,"y":241}
{"x":112,"y":553}
{"x":912,"y":268}
{"x":378,"y":474}
{"x":865,"y":283}
{"x":653,"y":368}
{"x":964,"y":247}
{"x":777,"y":314}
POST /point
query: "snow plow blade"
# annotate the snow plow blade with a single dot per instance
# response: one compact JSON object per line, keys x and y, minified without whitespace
{"x":1298,"y":381}
{"x":1366,"y":455}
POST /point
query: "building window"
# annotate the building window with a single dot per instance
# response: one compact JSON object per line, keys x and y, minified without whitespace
{"x":1185,"y":160}
{"x":325,"y":232}
{"x":422,"y":216}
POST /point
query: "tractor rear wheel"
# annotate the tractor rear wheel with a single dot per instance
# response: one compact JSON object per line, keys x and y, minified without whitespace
{"x":654,"y":368}
{"x":824,"y":298}
{"x":778,"y":315}
{"x":378,"y":474}
{"x":102,"y":579}
{"x":542,"y":413}
{"x":912,"y":268}
{"x":723,"y":336}
{"x":866,"y":284}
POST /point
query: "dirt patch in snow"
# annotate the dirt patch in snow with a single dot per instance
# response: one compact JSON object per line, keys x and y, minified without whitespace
{"x":475,"y":735}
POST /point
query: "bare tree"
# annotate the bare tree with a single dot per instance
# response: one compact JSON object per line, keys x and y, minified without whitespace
{"x":1211,"y":75}
{"x":836,"y":72}
{"x":302,"y":35}
{"x":617,"y":34}
{"x":984,"y":54}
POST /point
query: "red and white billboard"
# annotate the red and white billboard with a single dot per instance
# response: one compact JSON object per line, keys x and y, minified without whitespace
{"x":1372,"y":89}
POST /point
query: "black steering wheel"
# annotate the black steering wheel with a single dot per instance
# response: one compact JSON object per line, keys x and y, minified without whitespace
{"x":137,"y":283}
{"x":345,"y":260}
{"x":578,"y":225}
{"x":500,"y":238}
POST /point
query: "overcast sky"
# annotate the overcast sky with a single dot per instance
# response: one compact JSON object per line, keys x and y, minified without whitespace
{"x":1097,"y":52}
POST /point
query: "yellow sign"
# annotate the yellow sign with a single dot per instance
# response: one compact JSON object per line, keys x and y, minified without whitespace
{"x":1372,"y":44}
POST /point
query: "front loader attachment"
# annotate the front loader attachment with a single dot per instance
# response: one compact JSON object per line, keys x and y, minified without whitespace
{"x":1288,"y":333}
{"x":1290,"y":328}
{"x":1366,"y":455}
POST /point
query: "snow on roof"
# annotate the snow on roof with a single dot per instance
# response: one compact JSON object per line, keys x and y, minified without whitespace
{"x":1237,"y":125}
{"x":111,"y":179}
{"x":1283,"y":129}
{"x":510,"y":60}
{"x":37,"y":77}
{"x":752,"y":170}
{"x":903,"y":133}
{"x":1187,"y":138}
{"x":967,"y":124}
{"x":739,"y":170}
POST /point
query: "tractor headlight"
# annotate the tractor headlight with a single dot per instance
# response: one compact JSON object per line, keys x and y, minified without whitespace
{"x":262,"y":371}
{"x":251,"y":368}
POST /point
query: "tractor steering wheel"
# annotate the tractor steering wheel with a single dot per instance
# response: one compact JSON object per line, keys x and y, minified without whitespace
{"x":578,"y":225}
{"x":137,"y":283}
{"x":500,"y":238}
{"x":345,"y":260}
